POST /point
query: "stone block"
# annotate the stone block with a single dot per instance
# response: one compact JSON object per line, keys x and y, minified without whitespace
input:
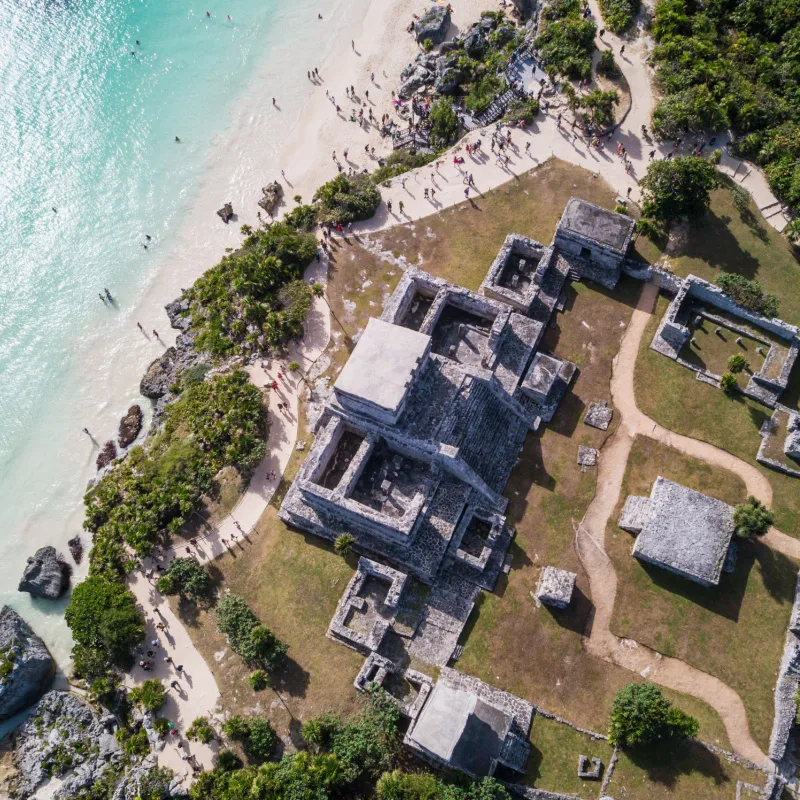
{"x":599,"y":415}
{"x":555,"y":587}
{"x":589,"y":768}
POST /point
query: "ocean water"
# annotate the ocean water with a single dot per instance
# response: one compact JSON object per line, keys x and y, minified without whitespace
{"x":88,"y":121}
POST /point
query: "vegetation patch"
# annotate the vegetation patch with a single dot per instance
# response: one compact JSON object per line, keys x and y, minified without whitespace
{"x":346,"y":198}
{"x":618,"y":14}
{"x":748,"y":293}
{"x":566,"y":40}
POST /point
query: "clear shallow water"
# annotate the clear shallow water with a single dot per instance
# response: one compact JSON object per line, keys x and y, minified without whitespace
{"x":89,"y":129}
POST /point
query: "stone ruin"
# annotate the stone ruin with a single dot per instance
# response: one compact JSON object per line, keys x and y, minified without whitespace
{"x":589,"y":769}
{"x":411,"y":456}
{"x":681,"y":530}
{"x":555,"y":587}
{"x":599,"y":415}
{"x":697,"y":300}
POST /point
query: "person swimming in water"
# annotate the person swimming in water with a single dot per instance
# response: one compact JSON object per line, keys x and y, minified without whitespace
{"x":108,"y":295}
{"x":177,"y":139}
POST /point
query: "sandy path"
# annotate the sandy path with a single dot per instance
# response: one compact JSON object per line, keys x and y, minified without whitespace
{"x":591,"y":537}
{"x":198,"y":693}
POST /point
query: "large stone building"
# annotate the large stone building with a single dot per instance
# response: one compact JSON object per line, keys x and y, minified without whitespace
{"x":411,"y":456}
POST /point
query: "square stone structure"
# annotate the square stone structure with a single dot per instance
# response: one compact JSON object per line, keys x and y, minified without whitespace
{"x":599,"y":415}
{"x":376,"y":377}
{"x":468,"y":725}
{"x":681,"y":530}
{"x":555,"y":587}
{"x":598,"y":237}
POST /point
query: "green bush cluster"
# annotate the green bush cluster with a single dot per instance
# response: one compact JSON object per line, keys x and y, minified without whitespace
{"x":213,"y":424}
{"x":187,"y":577}
{"x":737,"y":362}
{"x":345,"y":758}
{"x":600,"y":106}
{"x":607,"y":65}
{"x":642,"y":716}
{"x":151,"y":695}
{"x":618,"y":14}
{"x":728,"y":383}
{"x":519,"y":109}
{"x":200,"y":731}
{"x":256,"y":734}
{"x":483,"y":90}
{"x":444,"y":123}
{"x":722,"y":63}
{"x":398,"y":162}
{"x":242,"y":304}
{"x":347,"y":198}
{"x":254,"y":642}
{"x":748,"y":293}
{"x":566,"y":40}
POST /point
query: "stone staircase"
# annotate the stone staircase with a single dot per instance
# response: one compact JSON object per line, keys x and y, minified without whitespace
{"x":489,"y":436}
{"x":496,"y":109}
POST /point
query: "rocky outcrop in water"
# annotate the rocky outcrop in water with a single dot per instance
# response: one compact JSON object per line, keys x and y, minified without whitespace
{"x":177,"y":312}
{"x":272,"y":195}
{"x":157,"y":379}
{"x":26,"y":665}
{"x":130,"y":425}
{"x":226,"y":213}
{"x":108,"y":452}
{"x":75,"y":546}
{"x":46,"y":574}
{"x":64,"y":738}
{"x":433,"y":24}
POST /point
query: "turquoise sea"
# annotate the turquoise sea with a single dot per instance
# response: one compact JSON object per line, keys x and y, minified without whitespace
{"x":88,"y":120}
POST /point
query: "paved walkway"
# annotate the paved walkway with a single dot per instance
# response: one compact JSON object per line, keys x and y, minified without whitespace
{"x":198,"y":692}
{"x":590,"y":540}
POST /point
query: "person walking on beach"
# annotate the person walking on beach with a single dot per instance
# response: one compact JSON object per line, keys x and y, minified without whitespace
{"x":353,"y":44}
{"x":86,"y":431}
{"x":139,"y":325}
{"x":155,"y":333}
{"x":102,"y":298}
{"x":401,"y":206}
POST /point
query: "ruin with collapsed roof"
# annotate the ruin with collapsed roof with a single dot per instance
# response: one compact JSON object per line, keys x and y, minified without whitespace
{"x":411,"y":456}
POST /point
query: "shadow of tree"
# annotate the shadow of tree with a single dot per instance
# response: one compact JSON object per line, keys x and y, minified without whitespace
{"x":665,"y":762}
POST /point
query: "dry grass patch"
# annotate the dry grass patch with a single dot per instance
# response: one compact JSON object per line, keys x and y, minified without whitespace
{"x":707,"y":627}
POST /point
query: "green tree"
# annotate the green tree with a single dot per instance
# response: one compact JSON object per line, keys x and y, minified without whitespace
{"x":607,"y":65}
{"x":728,"y":383}
{"x":256,"y":644}
{"x":261,"y":739}
{"x":600,"y":105}
{"x":258,"y":680}
{"x":737,"y":362}
{"x":187,"y":577}
{"x":641,"y":716}
{"x":752,"y":518}
{"x":106,"y":625}
{"x":444,"y":123}
{"x":236,"y":728}
{"x":618,"y":14}
{"x":680,"y":187}
{"x":151,"y":695}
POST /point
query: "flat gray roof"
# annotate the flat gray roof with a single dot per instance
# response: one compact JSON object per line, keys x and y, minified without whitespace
{"x":383,"y":363}
{"x":592,"y":222}
{"x":443,"y":719}
{"x":687,"y":531}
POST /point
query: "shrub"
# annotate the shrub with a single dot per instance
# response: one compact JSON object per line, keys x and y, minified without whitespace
{"x":194,"y":375}
{"x":427,"y":45}
{"x":600,"y":105}
{"x":741,"y":198}
{"x":200,"y":731}
{"x":236,"y":728}
{"x":525,"y":110}
{"x":228,"y":761}
{"x":736,"y":363}
{"x":258,"y":680}
{"x":136,"y":744}
{"x":106,"y":625}
{"x":347,"y":199}
{"x":104,"y":690}
{"x":728,"y":383}
{"x":752,"y":518}
{"x":641,"y":715}
{"x":301,"y":218}
{"x":618,"y":14}
{"x":161,"y":726}
{"x":187,"y":577}
{"x":444,"y":123}
{"x":607,"y":65}
{"x":678,"y":188}
{"x":261,"y":739}
{"x":344,"y":543}
{"x":715,"y":157}
{"x":748,"y":293}
{"x":398,"y":162}
{"x":256,"y":644}
{"x":151,"y":695}
{"x":482,"y":91}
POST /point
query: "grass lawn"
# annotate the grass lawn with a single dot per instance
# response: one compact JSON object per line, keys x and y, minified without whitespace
{"x":708,"y":627}
{"x":685,"y":770}
{"x":728,"y":240}
{"x":669,"y":394}
{"x":711,"y":350}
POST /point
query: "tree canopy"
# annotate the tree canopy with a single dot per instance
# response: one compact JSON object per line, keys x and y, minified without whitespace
{"x":187,"y":577}
{"x":255,"y":643}
{"x":347,"y":198}
{"x":641,"y":715}
{"x":752,"y":518}
{"x":677,"y":188}
{"x":106,"y":624}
